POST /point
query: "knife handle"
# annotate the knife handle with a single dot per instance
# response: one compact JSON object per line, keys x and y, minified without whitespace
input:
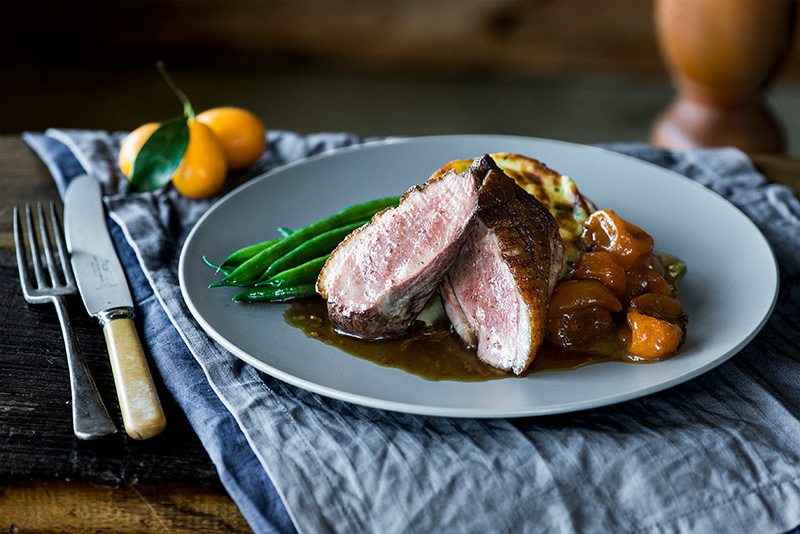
{"x":138,"y":400}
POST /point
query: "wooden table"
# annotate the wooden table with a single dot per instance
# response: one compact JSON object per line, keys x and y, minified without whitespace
{"x":50,"y":480}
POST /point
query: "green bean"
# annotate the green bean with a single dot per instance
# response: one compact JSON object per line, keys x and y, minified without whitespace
{"x":217,"y":268}
{"x":313,"y":248}
{"x":275,"y":294}
{"x":243,"y":254}
{"x":304,"y":273}
{"x":251,"y":270}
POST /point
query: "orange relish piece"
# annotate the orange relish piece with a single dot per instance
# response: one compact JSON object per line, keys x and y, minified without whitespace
{"x":629,"y":244}
{"x":651,"y":338}
{"x":601,"y":266}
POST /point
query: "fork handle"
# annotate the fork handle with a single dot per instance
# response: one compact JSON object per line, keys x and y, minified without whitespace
{"x":90,"y":419}
{"x":141,"y":409}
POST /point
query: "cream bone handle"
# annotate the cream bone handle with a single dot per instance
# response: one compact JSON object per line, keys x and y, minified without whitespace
{"x":138,"y":400}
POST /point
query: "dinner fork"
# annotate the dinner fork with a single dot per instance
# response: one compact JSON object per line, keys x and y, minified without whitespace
{"x":90,"y":419}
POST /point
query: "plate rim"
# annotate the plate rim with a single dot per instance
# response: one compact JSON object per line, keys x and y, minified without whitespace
{"x":471,"y":412}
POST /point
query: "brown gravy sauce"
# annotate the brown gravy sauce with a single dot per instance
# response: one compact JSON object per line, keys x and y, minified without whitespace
{"x":436,"y":353}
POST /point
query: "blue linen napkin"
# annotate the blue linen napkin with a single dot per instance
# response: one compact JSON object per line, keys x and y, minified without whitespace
{"x":720,"y":453}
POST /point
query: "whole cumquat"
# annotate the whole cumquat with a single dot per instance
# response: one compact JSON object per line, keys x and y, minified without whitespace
{"x":203,"y":167}
{"x":132,"y":144}
{"x":240,"y":132}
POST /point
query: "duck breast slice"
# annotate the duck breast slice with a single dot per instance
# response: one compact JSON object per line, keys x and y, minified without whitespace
{"x":497,"y":293}
{"x":380,"y":277}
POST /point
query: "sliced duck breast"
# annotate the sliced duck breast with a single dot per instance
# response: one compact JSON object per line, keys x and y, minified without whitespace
{"x":380,"y":277}
{"x":497,"y":292}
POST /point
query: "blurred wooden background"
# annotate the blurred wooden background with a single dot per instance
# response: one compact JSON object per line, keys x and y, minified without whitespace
{"x":583,"y":70}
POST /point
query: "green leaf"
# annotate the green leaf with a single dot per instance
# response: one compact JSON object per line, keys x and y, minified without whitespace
{"x":160,"y":156}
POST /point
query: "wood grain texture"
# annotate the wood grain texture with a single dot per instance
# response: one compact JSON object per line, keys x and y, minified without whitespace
{"x":58,"y":506}
{"x":779,"y":169}
{"x":166,"y":483}
{"x":36,"y":438}
{"x":23,"y":178}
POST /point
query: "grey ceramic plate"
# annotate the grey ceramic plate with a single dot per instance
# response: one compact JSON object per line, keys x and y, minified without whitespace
{"x":729,"y":291}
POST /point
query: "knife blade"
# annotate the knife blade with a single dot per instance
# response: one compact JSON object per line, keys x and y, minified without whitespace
{"x":105,"y":294}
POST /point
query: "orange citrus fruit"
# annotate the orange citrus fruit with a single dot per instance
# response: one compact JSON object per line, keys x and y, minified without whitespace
{"x":240,"y":132}
{"x":132,"y":144}
{"x":203,"y":167}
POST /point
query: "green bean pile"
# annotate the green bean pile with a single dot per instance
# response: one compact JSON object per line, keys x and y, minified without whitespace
{"x":287,"y":268}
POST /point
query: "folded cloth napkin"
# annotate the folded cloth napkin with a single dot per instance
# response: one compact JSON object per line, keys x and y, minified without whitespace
{"x":720,"y":453}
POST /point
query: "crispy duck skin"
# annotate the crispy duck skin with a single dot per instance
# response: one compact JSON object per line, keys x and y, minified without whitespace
{"x":497,"y":292}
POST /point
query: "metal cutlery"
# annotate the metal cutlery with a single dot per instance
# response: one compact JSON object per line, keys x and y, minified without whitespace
{"x":52,"y":282}
{"x":105,"y":294}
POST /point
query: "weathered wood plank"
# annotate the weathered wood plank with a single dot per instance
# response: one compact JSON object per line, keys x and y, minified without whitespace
{"x":82,"y":507}
{"x":36,"y":439}
{"x":779,"y":169}
{"x":23,"y":178}
{"x":166,"y":483}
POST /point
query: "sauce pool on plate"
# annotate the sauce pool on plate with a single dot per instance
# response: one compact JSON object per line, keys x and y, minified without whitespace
{"x":434,"y":352}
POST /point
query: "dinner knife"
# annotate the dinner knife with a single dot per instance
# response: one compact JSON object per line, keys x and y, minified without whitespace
{"x":104,"y":290}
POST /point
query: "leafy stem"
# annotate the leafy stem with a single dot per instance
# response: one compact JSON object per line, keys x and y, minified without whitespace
{"x":188,"y":111}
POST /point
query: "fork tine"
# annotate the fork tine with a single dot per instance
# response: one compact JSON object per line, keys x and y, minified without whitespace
{"x":48,"y":251}
{"x":34,"y":250}
{"x":66,"y":268}
{"x":22,"y":263}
